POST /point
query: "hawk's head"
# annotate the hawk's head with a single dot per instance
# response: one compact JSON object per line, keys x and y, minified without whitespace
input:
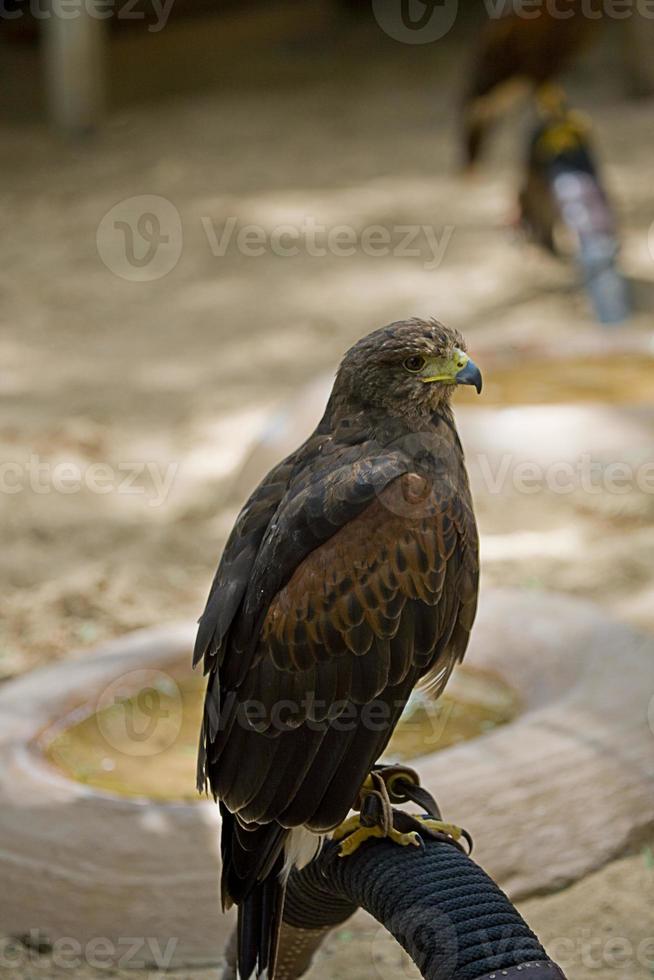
{"x":407,"y":368}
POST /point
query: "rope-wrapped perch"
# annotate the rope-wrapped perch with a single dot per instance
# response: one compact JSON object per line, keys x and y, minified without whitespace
{"x":450,"y":917}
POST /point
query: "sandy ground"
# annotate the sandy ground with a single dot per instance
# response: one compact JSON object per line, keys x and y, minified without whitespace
{"x":599,"y":929}
{"x":166,"y":382}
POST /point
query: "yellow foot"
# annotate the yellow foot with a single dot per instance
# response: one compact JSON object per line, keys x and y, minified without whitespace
{"x":378,"y":819}
{"x":347,"y":827}
{"x":353,"y":835}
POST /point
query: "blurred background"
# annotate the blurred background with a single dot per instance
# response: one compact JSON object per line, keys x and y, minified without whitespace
{"x":206,"y":202}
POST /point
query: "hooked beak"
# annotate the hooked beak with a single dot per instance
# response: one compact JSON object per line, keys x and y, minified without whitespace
{"x":470,"y":375}
{"x":457,"y":369}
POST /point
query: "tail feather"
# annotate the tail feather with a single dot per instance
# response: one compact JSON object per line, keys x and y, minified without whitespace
{"x":252,"y":878}
{"x":259,"y":922}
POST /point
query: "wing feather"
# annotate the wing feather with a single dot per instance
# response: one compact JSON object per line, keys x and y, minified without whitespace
{"x":364,"y":581}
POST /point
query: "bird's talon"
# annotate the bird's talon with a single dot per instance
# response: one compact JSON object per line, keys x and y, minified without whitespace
{"x":351,"y":842}
{"x":352,"y":835}
{"x":440,"y":827}
{"x":404,"y":840}
{"x":348,"y":826}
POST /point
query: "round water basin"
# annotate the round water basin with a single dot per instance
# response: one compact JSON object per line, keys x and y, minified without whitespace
{"x":139,"y":737}
{"x":102,"y":838}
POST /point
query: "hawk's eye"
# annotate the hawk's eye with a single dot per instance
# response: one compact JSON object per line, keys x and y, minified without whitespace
{"x":415,"y":363}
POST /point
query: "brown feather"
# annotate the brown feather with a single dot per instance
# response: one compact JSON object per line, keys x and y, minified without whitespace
{"x":350,"y":575}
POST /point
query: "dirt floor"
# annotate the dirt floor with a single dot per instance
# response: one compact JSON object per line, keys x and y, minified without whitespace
{"x":166,"y":382}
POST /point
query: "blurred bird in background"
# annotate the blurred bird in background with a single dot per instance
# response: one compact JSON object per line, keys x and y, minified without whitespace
{"x":563,"y":191}
{"x":350,"y":576}
{"x":520,"y":50}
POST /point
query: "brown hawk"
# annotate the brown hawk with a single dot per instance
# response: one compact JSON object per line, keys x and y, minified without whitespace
{"x":350,"y":576}
{"x":520,"y":50}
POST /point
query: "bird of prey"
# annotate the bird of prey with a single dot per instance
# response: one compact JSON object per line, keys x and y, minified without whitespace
{"x":563,"y":189}
{"x":520,"y":50}
{"x":349,"y":577}
{"x":559,"y":146}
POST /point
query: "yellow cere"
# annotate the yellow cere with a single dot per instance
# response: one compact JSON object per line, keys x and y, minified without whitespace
{"x":444,"y":368}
